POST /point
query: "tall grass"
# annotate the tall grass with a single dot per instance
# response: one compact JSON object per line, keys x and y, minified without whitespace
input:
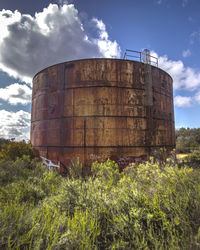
{"x":147,"y":206}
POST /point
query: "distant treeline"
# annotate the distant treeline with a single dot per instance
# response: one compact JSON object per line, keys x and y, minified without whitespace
{"x":187,"y":140}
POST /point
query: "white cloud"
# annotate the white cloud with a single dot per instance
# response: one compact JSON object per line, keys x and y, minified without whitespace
{"x":195,"y":37}
{"x":106,"y":47}
{"x":62,"y":2}
{"x":183,"y":101}
{"x":186,"y":53}
{"x":197,"y":97}
{"x":184,"y":77}
{"x":30,"y":43}
{"x":14,"y":125}
{"x":183,"y":2}
{"x":102,"y":28}
{"x":16,"y":94}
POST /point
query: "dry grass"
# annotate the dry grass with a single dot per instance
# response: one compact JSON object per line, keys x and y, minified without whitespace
{"x":181,"y":156}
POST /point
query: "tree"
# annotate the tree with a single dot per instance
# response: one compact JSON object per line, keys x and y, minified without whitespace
{"x":3,"y":141}
{"x":13,"y":150}
{"x":187,"y":140}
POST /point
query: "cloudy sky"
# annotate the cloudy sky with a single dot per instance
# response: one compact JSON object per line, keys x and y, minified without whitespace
{"x":36,"y":34}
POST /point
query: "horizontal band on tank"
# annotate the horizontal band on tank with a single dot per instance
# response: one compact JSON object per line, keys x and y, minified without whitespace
{"x":103,"y":116}
{"x":140,"y":146}
{"x":89,"y":87}
{"x":102,"y":86}
{"x":114,"y":87}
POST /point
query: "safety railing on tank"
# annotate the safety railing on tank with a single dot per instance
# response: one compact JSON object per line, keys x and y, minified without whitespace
{"x":141,"y":56}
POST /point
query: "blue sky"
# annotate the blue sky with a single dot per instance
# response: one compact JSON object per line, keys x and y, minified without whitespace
{"x":36,"y":34}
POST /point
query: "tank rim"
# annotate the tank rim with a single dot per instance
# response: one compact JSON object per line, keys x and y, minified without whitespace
{"x":99,"y":58}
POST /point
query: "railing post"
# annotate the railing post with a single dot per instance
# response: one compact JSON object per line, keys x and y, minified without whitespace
{"x":140,"y":56}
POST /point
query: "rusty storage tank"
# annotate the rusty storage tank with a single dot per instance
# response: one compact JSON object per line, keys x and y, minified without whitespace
{"x":100,"y":108}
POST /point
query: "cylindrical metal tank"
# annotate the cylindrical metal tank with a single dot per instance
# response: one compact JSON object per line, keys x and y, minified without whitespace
{"x":101,"y":108}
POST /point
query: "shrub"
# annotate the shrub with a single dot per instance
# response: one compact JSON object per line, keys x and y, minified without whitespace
{"x":147,"y":206}
{"x":75,"y":169}
{"x":3,"y":141}
{"x":15,"y":150}
{"x":108,"y":171}
{"x":194,"y":159}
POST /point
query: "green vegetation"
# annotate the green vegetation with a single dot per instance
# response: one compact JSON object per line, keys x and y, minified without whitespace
{"x":193,"y":159}
{"x":3,"y":142}
{"x":154,"y":205}
{"x":13,"y":150}
{"x":187,"y":140}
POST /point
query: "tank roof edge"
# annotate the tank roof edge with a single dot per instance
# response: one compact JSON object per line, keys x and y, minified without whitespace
{"x":98,"y":58}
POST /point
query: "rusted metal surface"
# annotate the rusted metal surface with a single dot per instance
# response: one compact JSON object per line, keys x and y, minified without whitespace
{"x":97,"y":108}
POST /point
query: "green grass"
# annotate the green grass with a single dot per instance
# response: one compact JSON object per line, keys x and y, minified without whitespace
{"x":149,"y":206}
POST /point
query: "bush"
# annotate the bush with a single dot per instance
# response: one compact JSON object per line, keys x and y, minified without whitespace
{"x":4,"y":141}
{"x":147,"y":206}
{"x":187,"y":140}
{"x":194,"y":159}
{"x":14,"y":150}
{"x":107,"y":171}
